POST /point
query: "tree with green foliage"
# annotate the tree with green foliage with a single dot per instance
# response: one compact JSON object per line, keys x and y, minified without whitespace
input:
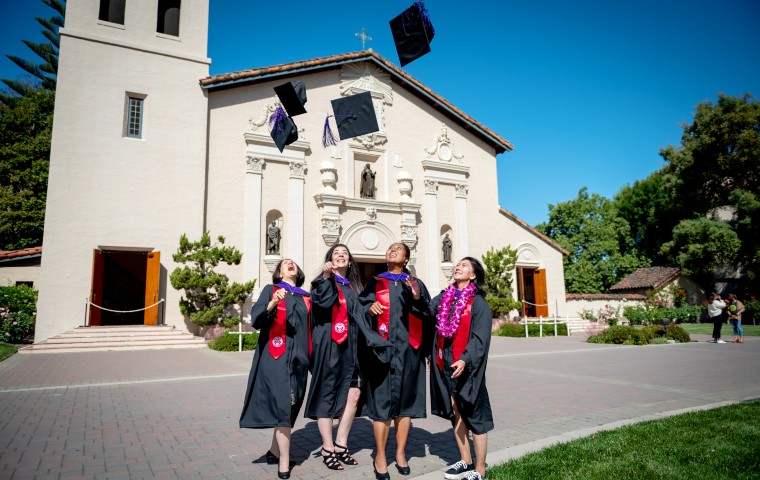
{"x":717,"y":166}
{"x":44,"y":73}
{"x":25,"y":131}
{"x":599,"y":241}
{"x":499,"y":265}
{"x":210,"y":298}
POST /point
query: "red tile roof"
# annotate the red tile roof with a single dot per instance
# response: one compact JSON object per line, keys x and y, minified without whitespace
{"x":26,"y":252}
{"x":234,"y":79}
{"x":532,"y":230}
{"x":651,"y":277}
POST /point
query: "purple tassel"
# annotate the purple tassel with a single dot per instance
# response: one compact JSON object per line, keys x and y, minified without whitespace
{"x":277,"y":119}
{"x":328,"y":137}
{"x":425,"y":16}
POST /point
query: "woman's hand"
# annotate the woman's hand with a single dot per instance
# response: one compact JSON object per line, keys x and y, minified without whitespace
{"x":278,"y":296}
{"x":328,"y":270}
{"x":376,"y":308}
{"x":411,"y":282}
{"x":458,"y":367}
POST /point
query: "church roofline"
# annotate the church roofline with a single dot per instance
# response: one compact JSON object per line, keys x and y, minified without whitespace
{"x":532,"y":230}
{"x":246,"y":77}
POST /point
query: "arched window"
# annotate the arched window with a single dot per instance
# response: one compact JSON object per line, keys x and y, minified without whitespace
{"x":168,"y":17}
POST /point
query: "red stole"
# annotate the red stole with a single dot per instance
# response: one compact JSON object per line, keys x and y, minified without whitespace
{"x":340,"y":318}
{"x":383,"y":320}
{"x":277,"y":331}
{"x":460,"y":337}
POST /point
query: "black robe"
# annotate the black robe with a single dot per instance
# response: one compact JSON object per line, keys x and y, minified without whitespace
{"x":333,"y":365}
{"x":276,"y":387}
{"x":396,"y":381}
{"x":469,"y":390}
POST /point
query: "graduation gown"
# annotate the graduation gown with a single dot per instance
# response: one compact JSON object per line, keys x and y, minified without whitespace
{"x":396,"y":382}
{"x":333,"y":364}
{"x":276,"y":387}
{"x":469,"y":390}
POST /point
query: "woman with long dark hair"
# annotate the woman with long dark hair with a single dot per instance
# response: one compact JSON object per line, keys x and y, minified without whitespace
{"x":277,"y":381}
{"x":715,"y":308}
{"x":339,"y":326}
{"x":457,"y":375}
{"x":396,"y":384}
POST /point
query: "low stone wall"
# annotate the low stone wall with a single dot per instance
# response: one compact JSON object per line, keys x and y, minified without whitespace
{"x":578,"y":302}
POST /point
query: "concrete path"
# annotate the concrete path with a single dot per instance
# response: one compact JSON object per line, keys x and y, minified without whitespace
{"x":172,"y":414}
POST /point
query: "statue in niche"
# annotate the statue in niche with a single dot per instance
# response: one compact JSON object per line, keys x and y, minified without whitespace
{"x":273,"y":239}
{"x":447,"y":248}
{"x":367,"y":185}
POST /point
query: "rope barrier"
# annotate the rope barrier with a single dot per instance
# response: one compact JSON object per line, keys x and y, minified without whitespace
{"x":123,"y":311}
{"x":536,"y":304}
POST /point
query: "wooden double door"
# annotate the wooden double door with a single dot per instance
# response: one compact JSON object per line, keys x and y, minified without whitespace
{"x":124,"y":284}
{"x":531,"y":290}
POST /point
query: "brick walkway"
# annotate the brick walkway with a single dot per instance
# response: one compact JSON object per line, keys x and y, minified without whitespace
{"x":172,"y":414}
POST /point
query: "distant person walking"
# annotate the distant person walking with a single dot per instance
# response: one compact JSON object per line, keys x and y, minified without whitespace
{"x":735,"y":311}
{"x":715,"y":308}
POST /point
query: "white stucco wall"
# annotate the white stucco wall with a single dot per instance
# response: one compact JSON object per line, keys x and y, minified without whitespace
{"x":11,"y":275}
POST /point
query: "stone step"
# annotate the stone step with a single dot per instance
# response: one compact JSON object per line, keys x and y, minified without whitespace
{"x":154,"y":337}
{"x":75,"y":347}
{"x":130,"y":337}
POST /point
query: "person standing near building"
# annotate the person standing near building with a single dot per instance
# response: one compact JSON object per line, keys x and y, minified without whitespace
{"x":735,"y":317}
{"x":339,"y":328}
{"x":457,"y":376}
{"x":715,"y":308}
{"x":277,"y":381}
{"x":396,"y":385}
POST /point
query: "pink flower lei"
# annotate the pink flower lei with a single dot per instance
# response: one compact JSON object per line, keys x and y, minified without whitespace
{"x":445,"y":326}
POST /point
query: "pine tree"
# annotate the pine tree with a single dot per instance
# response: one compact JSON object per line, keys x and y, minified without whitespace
{"x":209,"y":297}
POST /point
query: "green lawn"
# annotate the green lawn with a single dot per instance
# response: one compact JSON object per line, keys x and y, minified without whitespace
{"x":716,"y":444}
{"x":706,"y":329}
{"x":6,"y":350}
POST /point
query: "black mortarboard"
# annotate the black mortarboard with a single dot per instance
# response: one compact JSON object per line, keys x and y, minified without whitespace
{"x":412,"y":33}
{"x":354,"y":116}
{"x":292,"y":96}
{"x":282,"y":129}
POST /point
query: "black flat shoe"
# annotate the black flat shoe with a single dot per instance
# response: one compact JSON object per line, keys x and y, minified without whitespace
{"x":283,"y":475}
{"x":271,"y":459}
{"x":380,"y":476}
{"x":403,"y":470}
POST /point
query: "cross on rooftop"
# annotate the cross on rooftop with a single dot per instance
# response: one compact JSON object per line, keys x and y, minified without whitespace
{"x":363,"y":36}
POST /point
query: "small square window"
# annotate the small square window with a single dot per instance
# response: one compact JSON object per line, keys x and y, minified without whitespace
{"x":134,"y":117}
{"x":112,"y":11}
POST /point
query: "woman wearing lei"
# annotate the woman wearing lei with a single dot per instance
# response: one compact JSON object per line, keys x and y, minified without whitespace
{"x":339,"y":327}
{"x":396,"y":381}
{"x":457,"y":375}
{"x":277,"y":382}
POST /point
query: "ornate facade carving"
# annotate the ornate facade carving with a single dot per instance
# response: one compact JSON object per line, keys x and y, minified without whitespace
{"x":255,"y":124}
{"x":409,"y":235}
{"x":461,"y":190}
{"x":365,"y":77}
{"x":371,"y":213}
{"x":254,"y":164}
{"x":330,"y":230}
{"x":297,"y":169}
{"x":431,"y":187}
{"x":443,"y":149}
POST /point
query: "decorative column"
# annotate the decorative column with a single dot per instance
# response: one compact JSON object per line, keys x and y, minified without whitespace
{"x":461,"y":207}
{"x":295,"y":211}
{"x":252,"y":239}
{"x":431,"y":220}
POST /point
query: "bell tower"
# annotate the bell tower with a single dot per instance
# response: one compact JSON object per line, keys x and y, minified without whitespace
{"x":128,"y":155}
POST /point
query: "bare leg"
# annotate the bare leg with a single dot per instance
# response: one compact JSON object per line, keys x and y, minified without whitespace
{"x":325,"y":431}
{"x":381,"y":430}
{"x":402,"y":424}
{"x":274,"y":448}
{"x":283,"y":443}
{"x":460,"y":434}
{"x":347,"y":419}
{"x":481,"y":448}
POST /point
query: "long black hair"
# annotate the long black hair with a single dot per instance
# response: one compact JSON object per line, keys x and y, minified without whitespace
{"x":277,"y":278}
{"x":480,"y":274}
{"x":352,"y":274}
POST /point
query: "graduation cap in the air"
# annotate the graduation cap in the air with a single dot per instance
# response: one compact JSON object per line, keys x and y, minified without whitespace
{"x":292,"y":96}
{"x":282,"y":129}
{"x":354,"y":116}
{"x":412,"y":32}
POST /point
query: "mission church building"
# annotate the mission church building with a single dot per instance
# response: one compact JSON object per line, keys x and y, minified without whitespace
{"x":147,"y":146}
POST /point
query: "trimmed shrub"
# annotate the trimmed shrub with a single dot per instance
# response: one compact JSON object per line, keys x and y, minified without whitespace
{"x":641,"y":315}
{"x":229,"y":343}
{"x":18,"y":305}
{"x":518,"y":330}
{"x":625,"y":335}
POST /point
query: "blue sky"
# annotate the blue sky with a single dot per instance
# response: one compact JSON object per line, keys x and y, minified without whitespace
{"x":587,"y":91}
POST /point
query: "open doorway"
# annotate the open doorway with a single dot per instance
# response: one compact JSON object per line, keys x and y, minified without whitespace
{"x":368,"y":270}
{"x":531,"y":290}
{"x":124,"y":284}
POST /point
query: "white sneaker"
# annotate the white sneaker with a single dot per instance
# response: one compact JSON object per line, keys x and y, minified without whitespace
{"x":458,"y":470}
{"x":473,"y":476}
{"x":719,"y":341}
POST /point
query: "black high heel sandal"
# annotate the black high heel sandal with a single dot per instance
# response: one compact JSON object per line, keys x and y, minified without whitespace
{"x":331,"y":461}
{"x":283,"y":475}
{"x":403,"y":470}
{"x":345,"y":455}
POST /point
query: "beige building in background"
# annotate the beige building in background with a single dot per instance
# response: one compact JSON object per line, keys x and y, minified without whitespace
{"x":146,"y":147}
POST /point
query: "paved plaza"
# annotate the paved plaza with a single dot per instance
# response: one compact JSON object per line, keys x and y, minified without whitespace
{"x":173,"y":414}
